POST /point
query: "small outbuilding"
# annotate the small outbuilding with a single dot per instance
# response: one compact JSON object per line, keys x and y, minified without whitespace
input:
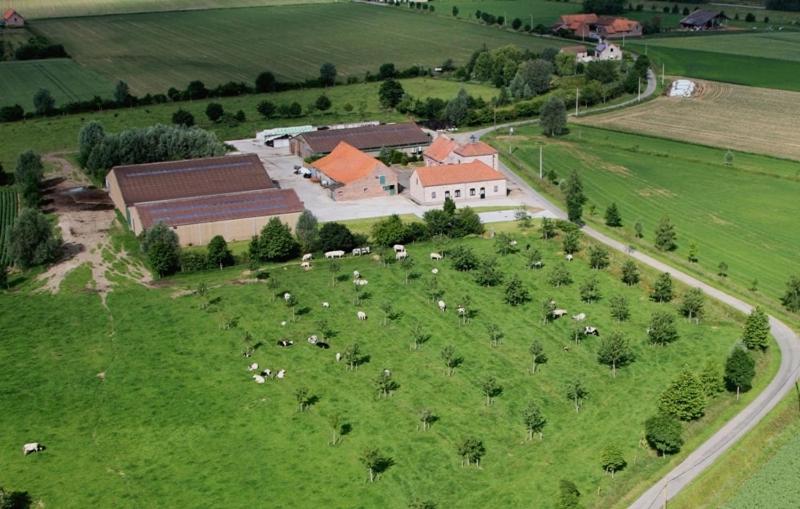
{"x":351,"y":174}
{"x":445,"y":150}
{"x":232,"y":196}
{"x":407,"y":137}
{"x":431,"y":185}
{"x":704,"y":20}
{"x":13,"y":19}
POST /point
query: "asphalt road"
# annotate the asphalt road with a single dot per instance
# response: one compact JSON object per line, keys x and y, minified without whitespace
{"x":679,"y":477}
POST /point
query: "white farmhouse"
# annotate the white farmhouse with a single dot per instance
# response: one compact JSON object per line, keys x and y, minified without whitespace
{"x":475,"y":180}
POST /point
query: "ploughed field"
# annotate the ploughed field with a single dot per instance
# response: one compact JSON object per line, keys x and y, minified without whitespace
{"x":743,"y":214}
{"x":156,"y":51}
{"x":747,"y":119}
{"x":176,"y":406}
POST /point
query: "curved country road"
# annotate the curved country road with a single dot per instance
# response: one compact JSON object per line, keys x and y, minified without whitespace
{"x":680,"y":476}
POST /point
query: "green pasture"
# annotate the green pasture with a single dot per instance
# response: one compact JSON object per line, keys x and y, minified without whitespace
{"x":66,"y":80}
{"x":743,"y":214}
{"x":773,"y":45}
{"x":155,"y":51}
{"x":177,"y":406}
{"x":8,"y":213}
{"x":33,"y":9}
{"x":542,"y":12}
{"x":61,"y":133}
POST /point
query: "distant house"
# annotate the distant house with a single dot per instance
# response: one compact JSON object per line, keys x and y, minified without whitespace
{"x":704,"y":20}
{"x":351,"y":174}
{"x":13,"y":19}
{"x":580,"y":52}
{"x":430,"y":185}
{"x":578,"y":25}
{"x":445,"y":150}
{"x":232,"y":196}
{"x":372,"y":138}
{"x":599,"y":27}
{"x":603,"y":51}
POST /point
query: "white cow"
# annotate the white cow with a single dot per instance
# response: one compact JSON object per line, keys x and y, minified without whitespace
{"x":569,"y":257}
{"x":579,"y":317}
{"x":308,"y":257}
{"x":398,"y":248}
{"x":338,"y":356}
{"x":259,"y":379}
{"x":512,"y":243}
{"x":326,"y":305}
{"x":591,"y":331}
{"x":356,"y":274}
{"x":281,"y":374}
{"x":558,"y":313}
{"x":361,"y":315}
{"x":537,"y":264}
{"x":442,"y":306}
{"x":253,"y":367}
{"x":334,"y":254}
{"x":357,"y":251}
{"x":31,"y":448}
{"x":305,"y":265}
{"x":436,"y":256}
{"x":266,"y":373}
{"x":313,"y":339}
{"x":401,"y":255}
{"x":361,"y":282}
{"x":283,"y":323}
{"x":434,"y":271}
{"x":287,"y":296}
{"x":461,"y":310}
{"x":365,"y":250}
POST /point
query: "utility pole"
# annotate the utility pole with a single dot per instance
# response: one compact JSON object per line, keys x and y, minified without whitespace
{"x":577,"y":95}
{"x":540,"y":162}
{"x":639,"y":92}
{"x":662,"y":74}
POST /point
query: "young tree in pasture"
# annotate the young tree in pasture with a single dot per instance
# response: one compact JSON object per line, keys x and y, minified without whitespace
{"x":327,"y":74}
{"x":598,"y":257}
{"x":183,"y":118}
{"x":630,"y":273}
{"x":471,"y":450}
{"x":219,"y":255}
{"x":160,"y":245}
{"x":590,"y":289}
{"x":615,"y":351}
{"x":538,"y":355}
{"x":323,"y":103}
{"x":463,"y":259}
{"x":324,"y":328}
{"x":685,"y":398}
{"x":407,"y":264}
{"x":358,"y":292}
{"x":303,"y":397}
{"x":214,"y":111}
{"x":466,"y":303}
{"x":722,"y":269}
{"x":388,"y":312}
{"x":664,"y":433}
{"x":791,"y":299}
{"x":32,"y":240}
{"x":756,"y":330}
{"x":426,"y":418}
{"x":548,"y":306}
{"x":662,"y":288}
{"x":451,"y":359}
{"x":352,"y":356}
{"x":692,"y":257}
{"x":495,"y":334}
{"x":291,"y":303}
{"x":638,"y":229}
{"x":711,"y":379}
{"x":516,"y":293}
{"x":740,"y":368}
{"x":559,"y":276}
{"x":490,"y":388}
{"x":335,"y":420}
{"x":522,"y":217}
{"x":266,"y":82}
{"x":548,"y":229}
{"x":568,"y":495}
{"x":692,"y":305}
{"x":534,"y":420}
{"x":612,"y":460}
{"x":613,"y":217}
{"x":553,"y":117}
{"x":385,"y":384}
{"x":307,"y":231}
{"x":618,"y":308}
{"x":533,"y":259}
{"x":374,"y":462}
{"x":43,"y":102}
{"x":334,"y":267}
{"x":266,"y":108}
{"x":432,"y":289}
{"x":419,"y":336}
{"x":572,"y":242}
{"x":488,"y":273}
{"x":662,"y":329}
{"x":503,"y":244}
{"x":390,"y":93}
{"x":576,"y":392}
{"x":575,"y":198}
{"x":665,"y":235}
{"x":276,"y":242}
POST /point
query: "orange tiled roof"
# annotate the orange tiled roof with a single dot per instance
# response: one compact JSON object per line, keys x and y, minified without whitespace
{"x":9,"y":13}
{"x":574,"y":21}
{"x":477,"y":148}
{"x":347,"y":164}
{"x":465,"y":173}
{"x":440,"y":148}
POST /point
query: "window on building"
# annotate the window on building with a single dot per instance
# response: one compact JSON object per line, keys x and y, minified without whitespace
{"x":472,"y":191}
{"x":495,"y":189}
{"x":447,"y":194}
{"x":433,"y":195}
{"x":365,"y":189}
{"x":458,"y":193}
{"x":383,"y":180}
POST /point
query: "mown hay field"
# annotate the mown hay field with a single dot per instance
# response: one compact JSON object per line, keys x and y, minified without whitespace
{"x":66,"y":80}
{"x":777,"y":45}
{"x":177,"y":407}
{"x":744,"y":214}
{"x":748,"y":119}
{"x":156,"y":51}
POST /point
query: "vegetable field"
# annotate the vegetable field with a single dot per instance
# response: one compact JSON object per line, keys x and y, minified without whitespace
{"x":775,"y":484}
{"x":156,"y":51}
{"x":66,"y":81}
{"x":722,"y":115}
{"x":8,"y":212}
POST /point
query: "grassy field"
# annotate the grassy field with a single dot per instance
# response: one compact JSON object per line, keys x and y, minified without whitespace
{"x":539,"y":11}
{"x":61,"y":133}
{"x":745,"y":59}
{"x":66,"y":80}
{"x":8,"y":212}
{"x":34,"y":9}
{"x":765,"y":459}
{"x":153,"y":52}
{"x":177,"y":397}
{"x":722,"y":115}
{"x":743,"y":215}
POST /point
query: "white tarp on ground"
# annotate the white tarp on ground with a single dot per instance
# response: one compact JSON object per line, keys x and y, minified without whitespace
{"x":682,"y":88}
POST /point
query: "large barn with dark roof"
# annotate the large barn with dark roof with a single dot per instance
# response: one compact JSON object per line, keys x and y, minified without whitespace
{"x":232,"y":196}
{"x":403,"y":136}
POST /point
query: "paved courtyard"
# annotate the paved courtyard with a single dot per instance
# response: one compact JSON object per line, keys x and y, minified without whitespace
{"x":280,"y":165}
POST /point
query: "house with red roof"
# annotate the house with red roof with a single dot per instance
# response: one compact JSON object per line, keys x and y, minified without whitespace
{"x":599,"y":27}
{"x":471,"y":181}
{"x":13,"y":19}
{"x":350,"y":174}
{"x":445,"y":150}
